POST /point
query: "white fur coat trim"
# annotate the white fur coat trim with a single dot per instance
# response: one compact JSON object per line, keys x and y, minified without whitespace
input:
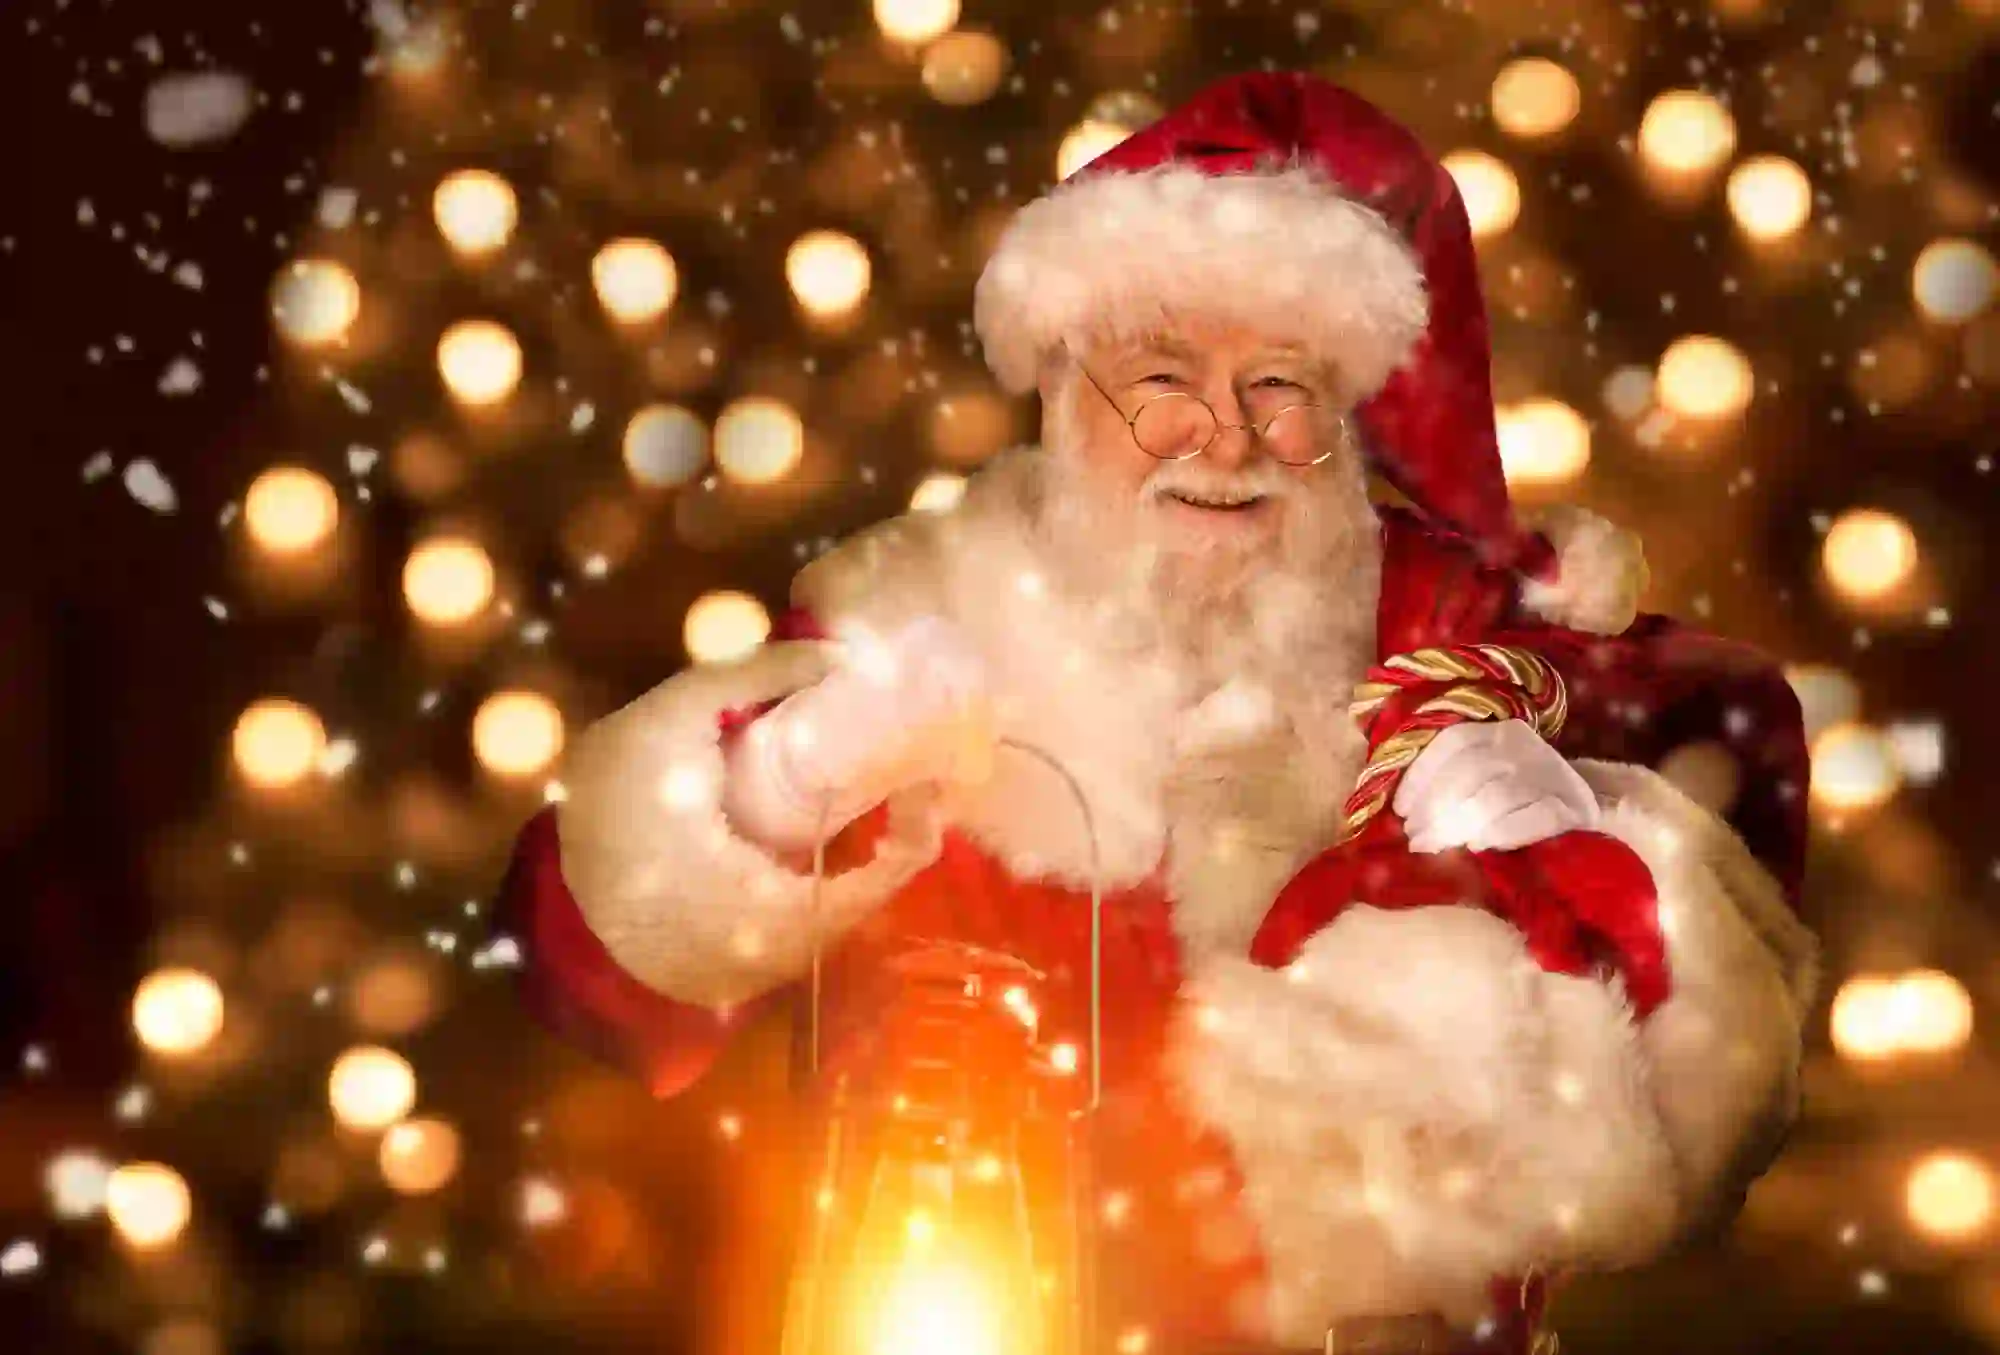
{"x":678,"y":898}
{"x":1600,"y":572}
{"x":1283,"y":251}
{"x":1419,"y":1109}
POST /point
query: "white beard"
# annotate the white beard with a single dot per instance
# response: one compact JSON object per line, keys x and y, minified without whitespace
{"x":1293,"y":614}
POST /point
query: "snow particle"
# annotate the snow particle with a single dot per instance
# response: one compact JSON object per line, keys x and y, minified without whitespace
{"x":192,"y":110}
{"x":145,"y":483}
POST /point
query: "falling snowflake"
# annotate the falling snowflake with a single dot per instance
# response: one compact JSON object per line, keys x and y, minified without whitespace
{"x":502,"y":952}
{"x":188,"y":274}
{"x":22,"y":1257}
{"x":193,"y":110}
{"x":133,"y":1105}
{"x":542,"y":1203}
{"x":150,"y":488}
{"x":76,"y":1182}
{"x":339,"y":756}
{"x":355,"y":398}
{"x":182,"y":377}
{"x":336,"y":207}
{"x":361,"y":460}
{"x":1919,"y":749}
{"x":97,"y":468}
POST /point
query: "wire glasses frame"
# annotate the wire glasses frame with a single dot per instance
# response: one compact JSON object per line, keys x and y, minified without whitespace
{"x":1261,"y":431}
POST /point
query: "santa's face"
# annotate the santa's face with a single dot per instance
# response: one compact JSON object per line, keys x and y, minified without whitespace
{"x":1211,"y":441}
{"x":1259,"y":541}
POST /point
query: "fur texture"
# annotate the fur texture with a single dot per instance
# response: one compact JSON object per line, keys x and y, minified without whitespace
{"x":1601,"y":572}
{"x":679,"y":899}
{"x":1284,"y":251}
{"x":1418,"y":1107}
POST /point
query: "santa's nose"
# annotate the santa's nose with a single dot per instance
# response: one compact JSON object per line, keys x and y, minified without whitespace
{"x":1234,"y":443}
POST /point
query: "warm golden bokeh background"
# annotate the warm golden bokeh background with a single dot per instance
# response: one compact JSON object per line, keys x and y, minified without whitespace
{"x":511,"y":354}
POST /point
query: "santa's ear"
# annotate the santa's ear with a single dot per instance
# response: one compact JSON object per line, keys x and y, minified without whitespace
{"x":1600,"y":571}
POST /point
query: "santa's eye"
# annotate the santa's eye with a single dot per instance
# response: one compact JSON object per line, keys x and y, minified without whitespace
{"x":1158,"y":379}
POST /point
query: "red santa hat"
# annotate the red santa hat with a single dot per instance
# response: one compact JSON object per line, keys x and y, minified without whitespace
{"x":1287,"y":203}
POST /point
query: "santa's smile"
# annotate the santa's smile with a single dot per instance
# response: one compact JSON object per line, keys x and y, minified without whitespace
{"x":1224,"y":502}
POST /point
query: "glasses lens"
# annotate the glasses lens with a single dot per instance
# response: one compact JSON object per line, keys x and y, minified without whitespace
{"x":1173,"y":427}
{"x":1299,"y":436}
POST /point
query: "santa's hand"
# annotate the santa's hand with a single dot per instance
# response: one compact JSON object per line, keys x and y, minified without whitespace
{"x":898,"y":710}
{"x":1491,"y":787}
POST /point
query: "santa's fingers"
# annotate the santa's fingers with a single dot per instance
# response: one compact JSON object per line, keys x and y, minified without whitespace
{"x":1446,"y":748}
{"x":1457,"y":765}
{"x":1545,"y":818}
{"x":1463,"y":821}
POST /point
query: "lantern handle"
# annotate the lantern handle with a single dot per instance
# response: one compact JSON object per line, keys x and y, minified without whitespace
{"x":1096,"y":917}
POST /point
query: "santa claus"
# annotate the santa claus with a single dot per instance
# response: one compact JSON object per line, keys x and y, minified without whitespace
{"x":1410,"y":1117}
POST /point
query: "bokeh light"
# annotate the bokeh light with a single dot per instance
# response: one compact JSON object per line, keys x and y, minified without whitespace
{"x":1534,"y":97}
{"x":183,"y":1336}
{"x":480,"y":361}
{"x":1853,"y":768}
{"x":419,"y":1156}
{"x":665,"y":446}
{"x":315,"y":301}
{"x":915,"y":21}
{"x":371,"y":1088}
{"x":517,"y":733}
{"x":1769,"y":196}
{"x":1686,"y":131}
{"x":393,"y":995}
{"x":148,"y":1204}
{"x":1868,"y":554}
{"x":1703,"y":377}
{"x":475,"y":210}
{"x":635,"y":279}
{"x":964,"y":68}
{"x":448,"y":580}
{"x":1862,"y":1022}
{"x":176,"y":1011}
{"x":1935,"y":1012}
{"x":829,"y":272}
{"x":277,"y":743}
{"x":1491,"y":193}
{"x":77,"y":1180}
{"x":1953,"y":281}
{"x":1949,"y":1197}
{"x":1827,"y":696}
{"x":723,"y":626}
{"x":289,"y":509}
{"x":1542,"y":442}
{"x":1085,"y":142}
{"x":758,"y":440}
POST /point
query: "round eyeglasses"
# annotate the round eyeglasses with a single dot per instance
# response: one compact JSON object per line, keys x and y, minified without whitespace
{"x":1178,"y":426}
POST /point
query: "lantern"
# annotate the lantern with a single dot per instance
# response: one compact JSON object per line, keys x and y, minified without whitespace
{"x":946,"y":1213}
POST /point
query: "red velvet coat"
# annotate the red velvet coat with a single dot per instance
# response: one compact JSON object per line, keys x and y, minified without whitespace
{"x":1177,"y":1268}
